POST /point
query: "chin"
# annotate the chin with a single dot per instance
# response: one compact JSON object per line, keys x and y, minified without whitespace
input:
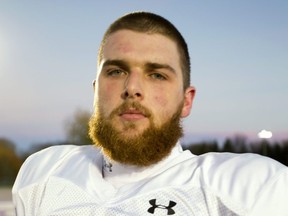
{"x":132,"y":132}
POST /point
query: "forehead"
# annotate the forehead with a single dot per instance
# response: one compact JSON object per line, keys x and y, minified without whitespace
{"x":141,"y":47}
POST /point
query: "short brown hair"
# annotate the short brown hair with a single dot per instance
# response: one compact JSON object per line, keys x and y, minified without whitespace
{"x":147,"y":22}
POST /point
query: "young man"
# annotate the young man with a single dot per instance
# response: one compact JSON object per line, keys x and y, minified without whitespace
{"x":137,"y":166}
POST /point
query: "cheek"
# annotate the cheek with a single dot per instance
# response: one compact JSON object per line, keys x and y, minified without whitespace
{"x":163,"y":105}
{"x":167,"y":103}
{"x":161,"y":101}
{"x":106,"y":92}
{"x":106,"y":87}
{"x":167,"y":99}
{"x":160,"y":96}
{"x":106,"y":97}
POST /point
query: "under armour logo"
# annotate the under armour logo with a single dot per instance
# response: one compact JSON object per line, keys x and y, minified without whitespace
{"x":169,"y":209}
{"x":107,"y":166}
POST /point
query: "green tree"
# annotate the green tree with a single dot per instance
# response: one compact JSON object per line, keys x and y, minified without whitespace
{"x":236,"y":144}
{"x":9,"y":162}
{"x":77,"y":128}
{"x":228,"y":146}
{"x":202,"y":147}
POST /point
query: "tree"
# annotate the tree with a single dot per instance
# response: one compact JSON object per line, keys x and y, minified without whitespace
{"x":10,"y":163}
{"x":202,"y":147}
{"x":236,"y":144}
{"x":77,"y":128}
{"x":228,"y":146}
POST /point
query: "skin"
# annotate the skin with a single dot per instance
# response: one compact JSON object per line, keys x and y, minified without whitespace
{"x":143,"y":68}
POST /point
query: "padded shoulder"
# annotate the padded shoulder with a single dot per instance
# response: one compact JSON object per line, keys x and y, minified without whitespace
{"x":239,"y":176}
{"x":39,"y":165}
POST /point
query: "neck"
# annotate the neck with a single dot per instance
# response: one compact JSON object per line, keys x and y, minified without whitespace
{"x":119,"y":174}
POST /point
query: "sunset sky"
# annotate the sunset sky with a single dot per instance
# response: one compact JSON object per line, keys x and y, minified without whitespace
{"x":239,"y":54}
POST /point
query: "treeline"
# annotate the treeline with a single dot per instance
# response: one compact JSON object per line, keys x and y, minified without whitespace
{"x":76,"y":129}
{"x":239,"y":144}
{"x":10,"y":161}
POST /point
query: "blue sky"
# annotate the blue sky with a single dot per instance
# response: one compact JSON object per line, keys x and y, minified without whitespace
{"x":239,"y":54}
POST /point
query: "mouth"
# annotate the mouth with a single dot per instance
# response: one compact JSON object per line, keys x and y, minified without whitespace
{"x":132,"y":114}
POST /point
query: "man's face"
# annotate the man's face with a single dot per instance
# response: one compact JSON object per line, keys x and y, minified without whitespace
{"x":139,"y":83}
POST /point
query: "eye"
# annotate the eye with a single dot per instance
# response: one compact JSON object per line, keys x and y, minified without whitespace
{"x":157,"y":76}
{"x":115,"y":72}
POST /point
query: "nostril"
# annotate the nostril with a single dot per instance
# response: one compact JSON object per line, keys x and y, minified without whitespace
{"x":137,"y":94}
{"x":125,"y":94}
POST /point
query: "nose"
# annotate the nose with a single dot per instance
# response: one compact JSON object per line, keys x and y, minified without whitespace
{"x":133,"y":87}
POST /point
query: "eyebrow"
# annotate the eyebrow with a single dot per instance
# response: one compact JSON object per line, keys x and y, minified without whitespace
{"x":119,"y":63}
{"x":149,"y":66}
{"x":154,"y":66}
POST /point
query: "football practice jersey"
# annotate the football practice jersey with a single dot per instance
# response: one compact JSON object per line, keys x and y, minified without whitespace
{"x":78,"y":180}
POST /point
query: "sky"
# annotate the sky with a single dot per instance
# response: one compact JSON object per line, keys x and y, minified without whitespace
{"x":238,"y":49}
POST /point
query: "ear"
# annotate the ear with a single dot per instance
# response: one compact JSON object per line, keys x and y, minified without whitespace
{"x":94,"y":85}
{"x":94,"y":91}
{"x":189,"y":95}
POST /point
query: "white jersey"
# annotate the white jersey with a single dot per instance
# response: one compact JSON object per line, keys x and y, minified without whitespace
{"x":74,"y":180}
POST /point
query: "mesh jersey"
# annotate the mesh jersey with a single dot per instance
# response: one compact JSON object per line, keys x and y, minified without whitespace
{"x":68,"y":180}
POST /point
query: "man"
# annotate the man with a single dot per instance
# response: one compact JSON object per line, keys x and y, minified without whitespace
{"x":137,"y":166}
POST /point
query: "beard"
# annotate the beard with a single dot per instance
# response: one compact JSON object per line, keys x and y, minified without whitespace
{"x":143,"y":149}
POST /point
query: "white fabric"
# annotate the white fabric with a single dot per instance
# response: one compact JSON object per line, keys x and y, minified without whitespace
{"x":68,"y":180}
{"x":118,"y":174}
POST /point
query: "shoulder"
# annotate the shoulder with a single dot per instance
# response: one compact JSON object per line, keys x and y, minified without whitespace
{"x":39,"y":165}
{"x":55,"y":153}
{"x":241,"y":164}
{"x":246,"y":178}
{"x":240,"y":168}
{"x":52,"y":153}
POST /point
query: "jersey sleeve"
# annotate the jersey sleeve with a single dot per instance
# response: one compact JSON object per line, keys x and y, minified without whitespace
{"x":257,"y":184}
{"x":36,"y":168}
{"x":272,"y":199}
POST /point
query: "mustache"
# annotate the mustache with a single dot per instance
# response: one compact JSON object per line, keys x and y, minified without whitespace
{"x":126,"y":106}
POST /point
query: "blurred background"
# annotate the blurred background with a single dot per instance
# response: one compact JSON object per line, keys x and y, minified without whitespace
{"x":48,"y":54}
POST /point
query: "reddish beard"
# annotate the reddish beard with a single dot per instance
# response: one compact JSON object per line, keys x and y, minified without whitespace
{"x":144,"y":149}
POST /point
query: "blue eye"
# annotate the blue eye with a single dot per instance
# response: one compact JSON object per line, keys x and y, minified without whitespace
{"x":115,"y":72}
{"x":157,"y":76}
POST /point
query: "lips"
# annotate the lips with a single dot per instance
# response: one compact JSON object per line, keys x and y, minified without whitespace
{"x":132,"y":111}
{"x":132,"y":114}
